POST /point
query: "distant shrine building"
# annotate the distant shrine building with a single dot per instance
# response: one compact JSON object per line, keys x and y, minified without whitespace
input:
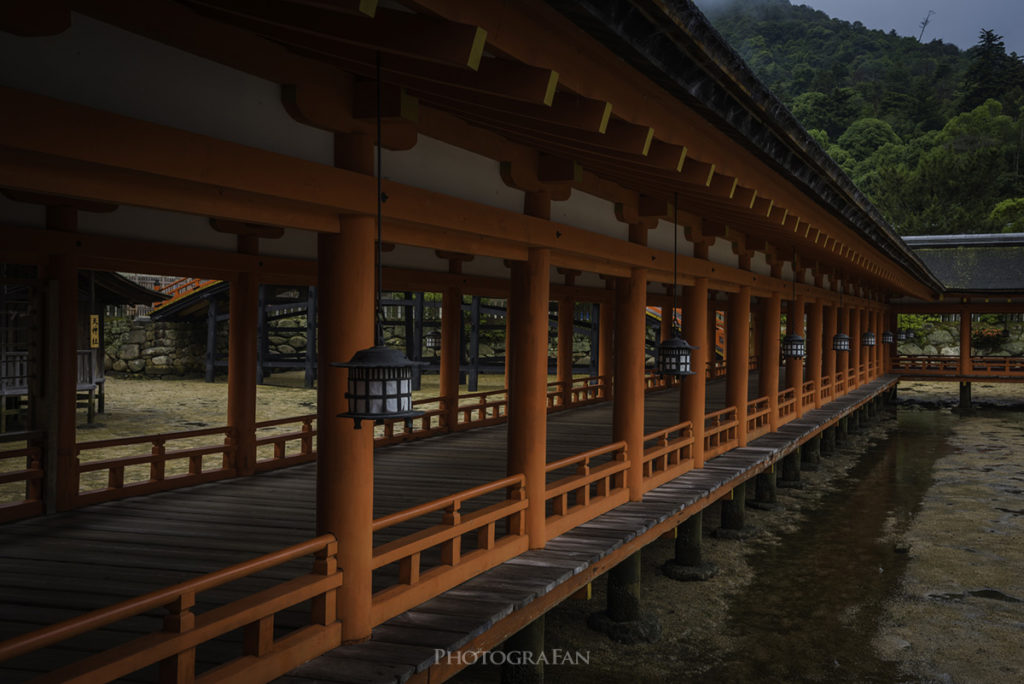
{"x":607,"y":172}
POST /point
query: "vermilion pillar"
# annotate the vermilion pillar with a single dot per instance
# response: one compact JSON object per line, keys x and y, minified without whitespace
{"x":628,"y":407}
{"x":738,"y":349}
{"x":828,"y":368}
{"x":769,"y":367}
{"x":891,"y":351}
{"x":814,"y":349}
{"x":451,"y":353}
{"x":344,"y":479}
{"x":606,"y":344}
{"x":62,"y":411}
{"x":843,"y":358}
{"x":528,"y":385}
{"x":795,"y":367}
{"x":242,"y":360}
{"x":855,"y":355}
{"x":965,"y":342}
{"x":693,"y":389}
{"x":566,"y":309}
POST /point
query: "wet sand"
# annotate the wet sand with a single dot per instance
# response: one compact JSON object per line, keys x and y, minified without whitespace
{"x":960,"y":617}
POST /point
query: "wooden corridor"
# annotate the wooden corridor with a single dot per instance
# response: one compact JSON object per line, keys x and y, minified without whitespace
{"x":126,"y":548}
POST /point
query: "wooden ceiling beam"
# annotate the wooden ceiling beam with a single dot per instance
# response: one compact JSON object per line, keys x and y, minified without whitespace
{"x":567,"y":109}
{"x":499,"y":77}
{"x":414,"y":35}
{"x":34,"y":18}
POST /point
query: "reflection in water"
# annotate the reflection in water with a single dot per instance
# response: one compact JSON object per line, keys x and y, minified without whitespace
{"x":815,"y":602}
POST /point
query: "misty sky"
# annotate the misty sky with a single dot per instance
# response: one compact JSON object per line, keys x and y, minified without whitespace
{"x":954,"y":21}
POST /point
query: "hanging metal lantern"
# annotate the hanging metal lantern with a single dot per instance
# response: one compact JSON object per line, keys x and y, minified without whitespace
{"x":674,"y":353}
{"x":887,"y":337}
{"x":901,"y":335}
{"x":379,"y":385}
{"x":793,"y":347}
{"x":911,"y":335}
{"x":841,"y":342}
{"x":432,"y":340}
{"x":674,"y":357}
{"x":867,"y":339}
{"x":379,"y":378}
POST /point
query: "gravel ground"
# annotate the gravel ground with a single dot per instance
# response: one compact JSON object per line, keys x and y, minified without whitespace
{"x":961,"y":614}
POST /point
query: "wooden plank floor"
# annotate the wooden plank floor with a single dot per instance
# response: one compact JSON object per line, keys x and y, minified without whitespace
{"x":407,"y":644}
{"x":57,"y":567}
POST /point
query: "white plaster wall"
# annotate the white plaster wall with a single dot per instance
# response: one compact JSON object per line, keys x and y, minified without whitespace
{"x":759,"y":264}
{"x":158,"y":226}
{"x":296,"y":244}
{"x":490,"y":267}
{"x":440,"y":167}
{"x":21,"y":214}
{"x":721,"y":253}
{"x":154,"y":82}
{"x":661,"y":238}
{"x":589,"y":213}
{"x":418,"y":258}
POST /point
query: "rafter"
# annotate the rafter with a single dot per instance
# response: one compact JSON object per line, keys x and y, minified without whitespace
{"x":403,"y":33}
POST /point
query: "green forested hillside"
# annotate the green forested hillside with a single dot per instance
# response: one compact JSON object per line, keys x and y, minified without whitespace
{"x":932,"y":134}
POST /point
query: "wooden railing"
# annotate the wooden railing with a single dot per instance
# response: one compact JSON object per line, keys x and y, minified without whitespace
{"x":137,"y":474}
{"x":668,"y":454}
{"x":720,"y":432}
{"x":927,"y":365}
{"x":181,"y":287}
{"x":716,"y":369}
{"x":826,"y":389}
{"x":262,"y":657}
{"x":590,"y":390}
{"x":21,"y":475}
{"x":597,"y":485}
{"x":1001,"y":366}
{"x":787,"y":405}
{"x":448,"y":563}
{"x":273,"y":450}
{"x":758,"y":417}
{"x":431,"y":422}
{"x":862,"y":374}
{"x":482,"y":408}
{"x":653,"y":381}
{"x":807,"y":393}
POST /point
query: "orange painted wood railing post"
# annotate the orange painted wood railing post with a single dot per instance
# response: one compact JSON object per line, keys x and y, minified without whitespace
{"x":795,"y":367}
{"x":693,"y":389}
{"x":344,"y":485}
{"x":242,"y":359}
{"x":844,"y":360}
{"x":828,"y":363}
{"x":451,"y":354}
{"x":769,"y":374}
{"x":566,"y":309}
{"x":814,"y":348}
{"x":528,"y":385}
{"x":630,"y":357}
{"x":738,"y":370}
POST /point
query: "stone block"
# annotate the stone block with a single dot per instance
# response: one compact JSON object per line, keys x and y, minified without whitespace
{"x":297,"y":341}
{"x":136,"y":336}
{"x":136,"y":365}
{"x":158,"y":362}
{"x":129,"y":352}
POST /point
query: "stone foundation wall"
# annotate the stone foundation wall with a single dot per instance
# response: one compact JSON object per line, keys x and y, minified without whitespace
{"x":149,"y":349}
{"x":943,"y":338}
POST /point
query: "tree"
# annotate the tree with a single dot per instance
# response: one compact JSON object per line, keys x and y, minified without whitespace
{"x":1008,"y":215}
{"x":990,"y":73}
{"x":864,"y":136}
